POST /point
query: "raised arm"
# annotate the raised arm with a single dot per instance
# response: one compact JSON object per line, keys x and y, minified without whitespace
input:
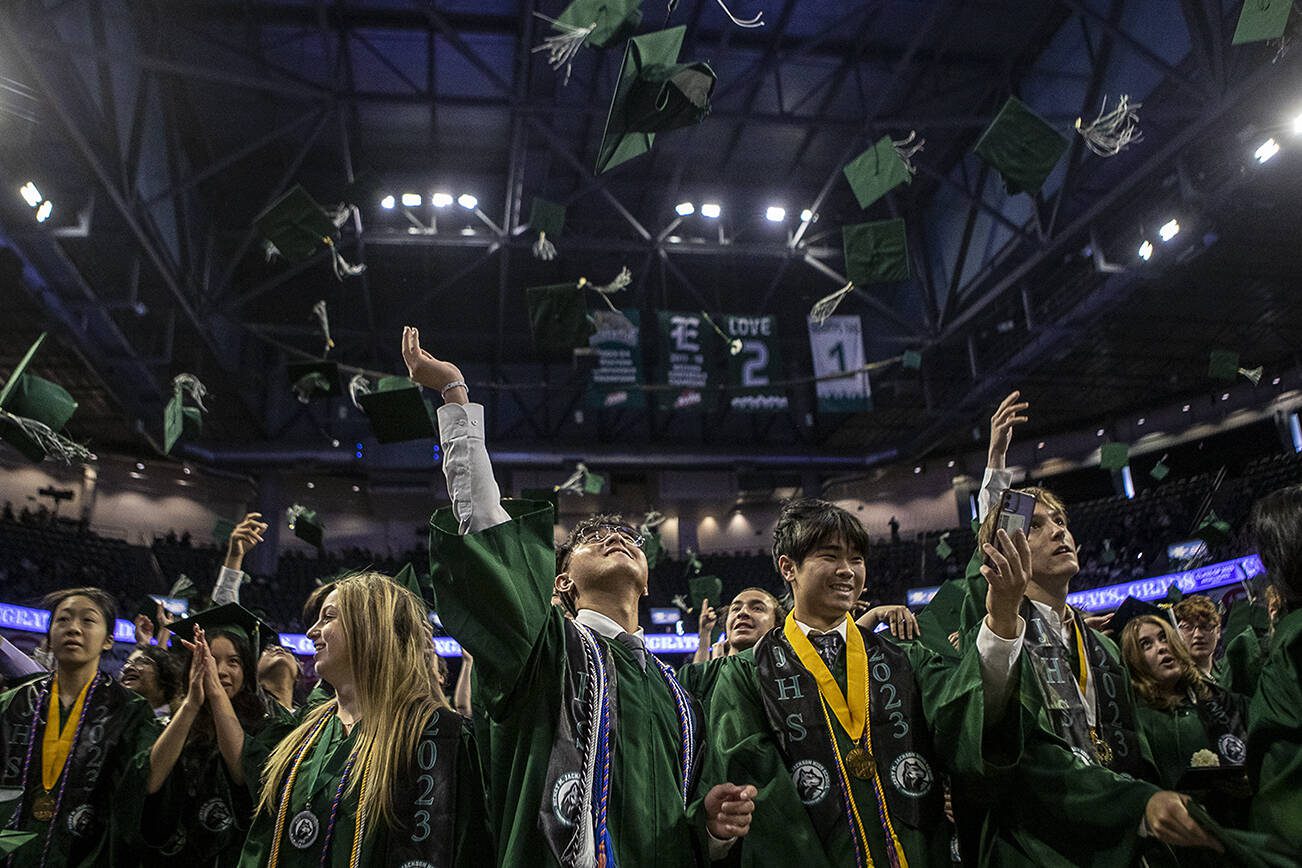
{"x":476,"y":499}
{"x":167,"y":749}
{"x":997,"y":478}
{"x":247,"y":534}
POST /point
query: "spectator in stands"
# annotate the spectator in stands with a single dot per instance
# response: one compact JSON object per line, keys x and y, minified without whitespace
{"x":894,"y":525}
{"x":1199,"y":622}
{"x":154,"y":673}
{"x":1275,"y":728}
{"x":1181,"y":710}
{"x":200,"y":805}
{"x":74,"y":745}
{"x":418,"y":799}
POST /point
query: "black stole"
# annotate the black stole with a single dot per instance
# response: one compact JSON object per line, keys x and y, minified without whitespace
{"x":84,"y":814}
{"x":1223,"y":721}
{"x":425,"y":799}
{"x":1114,"y":715}
{"x":901,"y":739}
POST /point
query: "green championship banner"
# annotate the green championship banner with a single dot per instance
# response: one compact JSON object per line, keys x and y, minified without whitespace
{"x":683,"y":358}
{"x":837,"y":346}
{"x":617,"y":376}
{"x":752,"y":371}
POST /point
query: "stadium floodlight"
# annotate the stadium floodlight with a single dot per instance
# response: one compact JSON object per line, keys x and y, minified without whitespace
{"x":1146,"y":250}
{"x":775,"y":214}
{"x":1268,"y":149}
{"x":685,"y":209}
{"x":1169,"y":230}
{"x":441,"y":200}
{"x":43,"y":213}
{"x":31,"y":195}
{"x":465,"y":200}
{"x":387,"y":203}
{"x":806,"y":216}
{"x":712,"y":210}
{"x":411,"y":200}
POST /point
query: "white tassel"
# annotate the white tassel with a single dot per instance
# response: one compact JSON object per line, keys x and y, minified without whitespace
{"x":323,"y":317}
{"x":1112,"y":131}
{"x":1253,"y":374}
{"x":294,"y":513}
{"x":544,"y":249}
{"x":621,"y":281}
{"x":652,"y":520}
{"x":757,"y":21}
{"x":574,"y":484}
{"x":53,"y":444}
{"x":190,"y":383}
{"x":827,"y":305}
{"x":564,"y":45}
{"x":734,"y":344}
{"x":358,"y":385}
{"x":339,"y":216}
{"x":270,"y":251}
{"x":906,"y":148}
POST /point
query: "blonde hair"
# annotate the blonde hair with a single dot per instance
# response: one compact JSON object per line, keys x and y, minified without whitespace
{"x":387,"y":631}
{"x":1051,"y":501}
{"x":1141,"y":676}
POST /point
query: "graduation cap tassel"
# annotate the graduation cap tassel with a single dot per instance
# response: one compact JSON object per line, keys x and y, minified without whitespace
{"x":341,"y":266}
{"x":1112,"y":131}
{"x":190,"y":383}
{"x":652,"y":520}
{"x":827,"y":305}
{"x":564,"y":45}
{"x":339,"y":216}
{"x":359,"y":385}
{"x":734,"y":344}
{"x":294,"y":513}
{"x":907,"y":148}
{"x":574,"y":483}
{"x":621,"y":281}
{"x":322,"y":317}
{"x":757,"y":21}
{"x":49,"y":441}
{"x":1253,"y":375}
{"x":544,"y":249}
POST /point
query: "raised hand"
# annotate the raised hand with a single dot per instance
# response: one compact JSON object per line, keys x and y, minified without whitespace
{"x":144,"y":629}
{"x":247,"y":534}
{"x":902,"y":622}
{"x":728,"y":810}
{"x":428,"y":371}
{"x":709,"y":617}
{"x":1169,"y":821}
{"x":1006,"y":418}
{"x":1007,"y":572}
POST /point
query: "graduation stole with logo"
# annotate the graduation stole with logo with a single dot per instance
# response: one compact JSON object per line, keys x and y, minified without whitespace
{"x":883,"y":692}
{"x":1224,"y":724}
{"x":1066,"y":683}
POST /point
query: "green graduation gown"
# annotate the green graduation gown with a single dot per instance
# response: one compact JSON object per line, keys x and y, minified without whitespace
{"x":742,"y":749}
{"x":1175,"y":736}
{"x":699,"y":679}
{"x":494,"y":593}
{"x":1240,"y":668}
{"x":1275,"y":738}
{"x":99,"y":827}
{"x":315,"y":789}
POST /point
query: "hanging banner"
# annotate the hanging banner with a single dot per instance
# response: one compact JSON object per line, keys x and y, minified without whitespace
{"x":684,"y":338}
{"x":837,"y":347}
{"x":751,"y":371}
{"x":617,"y":375}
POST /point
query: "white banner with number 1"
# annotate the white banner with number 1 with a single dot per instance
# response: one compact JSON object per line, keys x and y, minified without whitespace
{"x":837,"y":347}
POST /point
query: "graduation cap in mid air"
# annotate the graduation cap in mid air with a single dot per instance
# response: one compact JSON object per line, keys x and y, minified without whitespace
{"x":882,"y":168}
{"x":295,"y":227}
{"x":395,"y":408}
{"x":33,"y":411}
{"x":1114,"y":456}
{"x":1021,"y":146}
{"x":311,"y":380}
{"x":1261,"y":21}
{"x":180,"y":419}
{"x":702,"y":588}
{"x":305,"y":525}
{"x":547,"y":220}
{"x":654,"y":94}
{"x":876,"y":252}
{"x":1224,"y":365}
{"x":558,"y":318}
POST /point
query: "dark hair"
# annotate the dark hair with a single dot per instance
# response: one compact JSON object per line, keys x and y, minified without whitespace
{"x":1277,"y":530}
{"x":565,"y":549}
{"x":166,"y":667}
{"x":807,"y":522}
{"x":103,"y":601}
{"x":779,"y":611}
{"x":249,"y":702}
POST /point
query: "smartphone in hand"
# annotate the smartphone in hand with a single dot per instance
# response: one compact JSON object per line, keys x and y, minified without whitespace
{"x":1015,"y":512}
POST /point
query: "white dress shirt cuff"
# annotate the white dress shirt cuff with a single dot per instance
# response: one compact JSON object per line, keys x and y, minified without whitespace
{"x":227,"y":589}
{"x":719,"y":847}
{"x":476,"y":499}
{"x":993,"y":485}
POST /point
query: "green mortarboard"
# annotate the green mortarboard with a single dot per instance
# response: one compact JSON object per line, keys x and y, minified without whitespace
{"x":654,"y":94}
{"x":942,"y":616}
{"x":179,"y":419}
{"x":615,"y":20}
{"x":28,"y":398}
{"x":944,"y":549}
{"x":296,"y":225}
{"x":1130,"y":609}
{"x":1244,"y":615}
{"x":314,"y":379}
{"x":1214,"y":531}
{"x":876,"y":172}
{"x":231,"y":616}
{"x":1261,"y":20}
{"x":545,"y":495}
{"x":593,"y":483}
{"x":11,"y":841}
{"x":398,"y":411}
{"x":1173,"y":594}
{"x":1021,"y":146}
{"x":1223,"y":364}
{"x":409,"y":579}
{"x":1113,"y":456}
{"x":306,"y":526}
{"x":653,"y":548}
{"x":911,"y":360}
{"x":705,"y":588}
{"x":1160,"y":470}
{"x":547,"y":216}
{"x":558,"y":316}
{"x":876,"y":252}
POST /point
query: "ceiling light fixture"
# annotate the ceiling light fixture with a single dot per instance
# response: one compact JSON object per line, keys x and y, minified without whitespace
{"x":685,"y":209}
{"x":806,"y":216}
{"x":31,"y":195}
{"x":467,"y":201}
{"x":775,"y":214}
{"x":411,"y":200}
{"x":387,"y":203}
{"x":711,"y":210}
{"x":1268,"y":149}
{"x":43,"y":213}
{"x":441,"y":200}
{"x":1146,"y":250}
{"x":1169,"y":230}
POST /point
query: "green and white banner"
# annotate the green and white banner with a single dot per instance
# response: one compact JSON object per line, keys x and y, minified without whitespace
{"x":617,"y":376}
{"x":684,"y":358}
{"x":837,"y":347}
{"x":751,"y":371}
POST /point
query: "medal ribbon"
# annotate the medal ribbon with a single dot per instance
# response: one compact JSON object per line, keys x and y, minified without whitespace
{"x":1083,"y":673}
{"x":852,"y":714}
{"x":56,"y":744}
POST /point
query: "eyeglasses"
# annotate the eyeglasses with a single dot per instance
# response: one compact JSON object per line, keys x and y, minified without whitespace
{"x":599,"y":533}
{"x":1191,"y":627}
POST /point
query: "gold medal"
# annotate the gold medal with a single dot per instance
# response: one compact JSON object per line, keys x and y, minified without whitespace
{"x":1102,"y":749}
{"x":860,"y":763}
{"x":43,"y":807}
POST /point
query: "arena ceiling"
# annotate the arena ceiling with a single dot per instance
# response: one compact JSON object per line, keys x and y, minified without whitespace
{"x":161,"y":129}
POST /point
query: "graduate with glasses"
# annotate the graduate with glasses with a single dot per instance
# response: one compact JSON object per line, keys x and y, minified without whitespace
{"x":74,"y":746}
{"x":594,"y":745}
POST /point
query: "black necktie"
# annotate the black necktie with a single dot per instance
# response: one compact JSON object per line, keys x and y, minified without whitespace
{"x":829,"y":646}
{"x":634,"y":644}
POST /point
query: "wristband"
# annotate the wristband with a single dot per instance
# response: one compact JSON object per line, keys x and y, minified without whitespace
{"x":455,"y":384}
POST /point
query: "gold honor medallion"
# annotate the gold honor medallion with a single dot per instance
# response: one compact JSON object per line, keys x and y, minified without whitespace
{"x":860,"y":763}
{"x":43,"y":807}
{"x":1102,"y":749}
